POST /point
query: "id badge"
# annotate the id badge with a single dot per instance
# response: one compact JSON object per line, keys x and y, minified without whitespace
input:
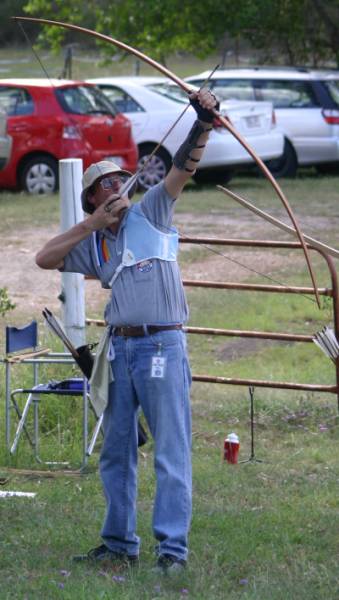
{"x":158,"y":367}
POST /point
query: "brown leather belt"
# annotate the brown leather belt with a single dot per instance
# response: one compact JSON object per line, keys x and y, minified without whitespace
{"x":140,"y":331}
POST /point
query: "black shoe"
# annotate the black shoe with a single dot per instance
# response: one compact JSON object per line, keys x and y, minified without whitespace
{"x":168,"y":564}
{"x":102,"y":553}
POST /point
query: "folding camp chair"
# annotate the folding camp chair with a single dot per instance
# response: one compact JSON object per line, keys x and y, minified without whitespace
{"x":22,"y":348}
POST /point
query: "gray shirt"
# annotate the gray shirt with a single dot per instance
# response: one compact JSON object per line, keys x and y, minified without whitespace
{"x":149,"y":293}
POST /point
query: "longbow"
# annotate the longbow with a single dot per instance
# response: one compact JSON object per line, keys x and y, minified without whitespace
{"x":184,"y":86}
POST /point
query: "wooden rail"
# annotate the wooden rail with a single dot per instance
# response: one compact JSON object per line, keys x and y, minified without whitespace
{"x":331,"y":292}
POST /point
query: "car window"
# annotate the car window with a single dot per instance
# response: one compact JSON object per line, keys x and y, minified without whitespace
{"x":171,"y":91}
{"x":229,"y":89}
{"x":122,"y":101}
{"x":286,"y":94}
{"x":83,"y":100}
{"x":16,"y":101}
{"x":333,"y":89}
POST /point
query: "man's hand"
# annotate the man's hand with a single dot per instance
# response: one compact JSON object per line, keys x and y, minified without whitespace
{"x":203,"y":102}
{"x":109,"y":213}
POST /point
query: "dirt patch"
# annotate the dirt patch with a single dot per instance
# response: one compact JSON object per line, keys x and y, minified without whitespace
{"x":226,"y":263}
{"x":32,"y":288}
{"x":239,"y":348}
{"x":239,"y":265}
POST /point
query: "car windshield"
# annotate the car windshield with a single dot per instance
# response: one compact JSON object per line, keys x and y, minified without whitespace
{"x":84,"y":100}
{"x":333,"y":89}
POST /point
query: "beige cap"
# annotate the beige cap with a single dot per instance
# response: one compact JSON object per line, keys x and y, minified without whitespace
{"x":94,"y":172}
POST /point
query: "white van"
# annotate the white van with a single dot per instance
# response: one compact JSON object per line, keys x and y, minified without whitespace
{"x":306,"y":105}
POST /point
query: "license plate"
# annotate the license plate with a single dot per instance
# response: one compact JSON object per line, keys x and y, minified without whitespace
{"x":253,"y":121}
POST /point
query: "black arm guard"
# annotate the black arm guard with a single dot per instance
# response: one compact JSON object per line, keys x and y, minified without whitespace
{"x":203,"y":114}
{"x":183,"y":153}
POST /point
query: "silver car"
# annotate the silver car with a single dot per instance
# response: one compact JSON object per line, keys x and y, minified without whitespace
{"x":5,"y":140}
{"x":306,"y":105}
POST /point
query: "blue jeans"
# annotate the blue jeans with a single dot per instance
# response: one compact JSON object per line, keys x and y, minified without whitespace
{"x":166,"y":406}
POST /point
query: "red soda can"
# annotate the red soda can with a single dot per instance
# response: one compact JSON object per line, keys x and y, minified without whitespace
{"x":231,"y":448}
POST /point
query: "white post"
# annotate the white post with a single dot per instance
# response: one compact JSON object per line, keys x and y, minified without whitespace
{"x":73,"y":285}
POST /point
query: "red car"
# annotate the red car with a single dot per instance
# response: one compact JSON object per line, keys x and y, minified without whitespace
{"x":53,"y":119}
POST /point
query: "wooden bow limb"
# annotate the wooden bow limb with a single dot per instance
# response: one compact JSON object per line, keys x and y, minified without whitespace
{"x":184,"y":86}
{"x":312,"y":241}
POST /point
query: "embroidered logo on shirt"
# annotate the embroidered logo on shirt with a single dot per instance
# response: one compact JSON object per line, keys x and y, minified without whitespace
{"x":105,"y":250}
{"x":145,"y":266}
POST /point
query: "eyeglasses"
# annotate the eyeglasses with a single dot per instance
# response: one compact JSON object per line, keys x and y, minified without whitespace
{"x":113,"y":182}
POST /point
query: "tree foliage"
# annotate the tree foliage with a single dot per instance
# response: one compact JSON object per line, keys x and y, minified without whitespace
{"x":9,"y":30}
{"x":292,"y":31}
{"x":5,"y":302}
{"x":284,"y":31}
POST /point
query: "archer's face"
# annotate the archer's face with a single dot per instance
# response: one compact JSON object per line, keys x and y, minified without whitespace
{"x":108,"y":188}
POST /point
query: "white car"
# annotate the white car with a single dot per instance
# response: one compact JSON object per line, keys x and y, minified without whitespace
{"x":306,"y":104}
{"x":5,"y":140}
{"x":152,"y":113}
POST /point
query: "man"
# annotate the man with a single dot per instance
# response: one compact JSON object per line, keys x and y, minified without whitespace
{"x":132,"y":249}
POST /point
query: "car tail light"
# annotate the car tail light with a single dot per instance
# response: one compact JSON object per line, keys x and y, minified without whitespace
{"x":274,"y":119}
{"x":331,"y":116}
{"x":71,"y":132}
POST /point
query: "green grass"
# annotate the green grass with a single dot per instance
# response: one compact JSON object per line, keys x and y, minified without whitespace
{"x":260,"y":530}
{"x":308,"y":194}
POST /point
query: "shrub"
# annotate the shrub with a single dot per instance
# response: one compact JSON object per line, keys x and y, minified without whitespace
{"x":5,"y":302}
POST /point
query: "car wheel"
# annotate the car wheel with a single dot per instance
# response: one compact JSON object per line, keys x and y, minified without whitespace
{"x":286,"y":165}
{"x":40,"y":175}
{"x":157,"y":168}
{"x":213,"y":176}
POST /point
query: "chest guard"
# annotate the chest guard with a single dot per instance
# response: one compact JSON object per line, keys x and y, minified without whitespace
{"x":142,"y":241}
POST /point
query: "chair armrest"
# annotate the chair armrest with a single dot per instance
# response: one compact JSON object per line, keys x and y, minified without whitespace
{"x":17,"y":358}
